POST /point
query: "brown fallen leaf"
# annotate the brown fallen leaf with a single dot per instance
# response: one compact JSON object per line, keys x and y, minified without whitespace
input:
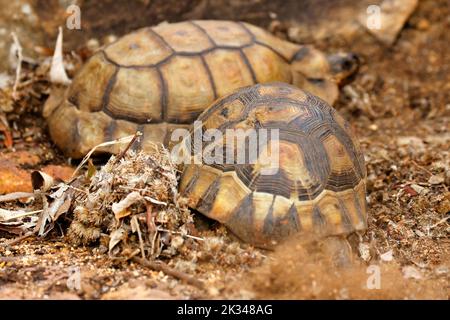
{"x":409,"y":190}
{"x":63,"y":208}
{"x":13,"y":178}
{"x":41,"y":181}
{"x":60,"y":172}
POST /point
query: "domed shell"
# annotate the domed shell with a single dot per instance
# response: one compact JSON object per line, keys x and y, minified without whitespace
{"x":161,"y":78}
{"x":318,"y":184}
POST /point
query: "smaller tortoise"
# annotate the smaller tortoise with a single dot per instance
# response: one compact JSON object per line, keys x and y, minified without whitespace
{"x":161,"y":78}
{"x":319,"y":187}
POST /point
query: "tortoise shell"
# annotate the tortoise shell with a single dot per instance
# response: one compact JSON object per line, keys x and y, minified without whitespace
{"x":160,"y":78}
{"x":319,"y":186}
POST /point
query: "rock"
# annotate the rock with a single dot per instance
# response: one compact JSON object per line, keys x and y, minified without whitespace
{"x":418,"y":189}
{"x":62,"y":172}
{"x":423,"y":24}
{"x":436,"y":179}
{"x":392,"y":16}
{"x":14,"y":178}
{"x":415,"y":143}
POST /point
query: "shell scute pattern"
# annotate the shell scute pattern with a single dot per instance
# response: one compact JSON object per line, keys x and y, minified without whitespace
{"x":158,"y":77}
{"x":217,"y":45}
{"x":161,"y":76}
{"x":319,"y":186}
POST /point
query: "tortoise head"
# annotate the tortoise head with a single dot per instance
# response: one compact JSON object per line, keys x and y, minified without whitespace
{"x":343,"y":66}
{"x":320,"y":74}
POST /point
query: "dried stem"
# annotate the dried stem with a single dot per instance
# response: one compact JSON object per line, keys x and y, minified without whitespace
{"x":18,"y":47}
{"x":161,"y":266}
{"x":16,"y":195}
{"x":18,"y":239}
{"x":124,"y":151}
{"x":127,"y":139}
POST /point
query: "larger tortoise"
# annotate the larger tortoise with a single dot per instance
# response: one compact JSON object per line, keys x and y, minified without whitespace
{"x":319,"y":183}
{"x":160,"y":78}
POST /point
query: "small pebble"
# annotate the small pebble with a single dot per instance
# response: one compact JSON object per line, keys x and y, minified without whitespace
{"x":423,"y":24}
{"x":436,"y":179}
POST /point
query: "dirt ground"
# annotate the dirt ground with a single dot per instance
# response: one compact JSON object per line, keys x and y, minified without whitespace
{"x":399,"y":106}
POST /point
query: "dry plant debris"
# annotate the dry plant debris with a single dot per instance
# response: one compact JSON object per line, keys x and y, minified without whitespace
{"x":134,"y":201}
{"x":411,"y":216}
{"x":129,"y":207}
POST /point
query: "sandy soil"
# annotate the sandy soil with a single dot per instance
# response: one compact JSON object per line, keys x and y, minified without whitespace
{"x":399,"y":105}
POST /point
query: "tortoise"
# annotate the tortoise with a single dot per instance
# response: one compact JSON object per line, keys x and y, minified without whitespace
{"x":320,"y":182}
{"x":160,"y":78}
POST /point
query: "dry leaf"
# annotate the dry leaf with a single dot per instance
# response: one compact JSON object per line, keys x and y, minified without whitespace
{"x":58,"y":74}
{"x":120,"y":208}
{"x":436,"y":179}
{"x":115,"y":237}
{"x":7,"y":215}
{"x":42,"y":181}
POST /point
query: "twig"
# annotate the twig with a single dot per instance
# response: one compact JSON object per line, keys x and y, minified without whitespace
{"x":124,"y":151}
{"x":180,"y":233}
{"x":78,"y":189}
{"x":4,"y":127}
{"x":8,"y":259}
{"x":149,"y":199}
{"x":18,"y":49}
{"x":421,"y":167}
{"x":17,"y":240}
{"x":104,"y":144}
{"x":149,"y":215}
{"x":16,"y":195}
{"x":438,"y":223}
{"x":161,"y":266}
{"x":16,"y":214}
{"x":135,"y":225}
{"x":155,"y":236}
